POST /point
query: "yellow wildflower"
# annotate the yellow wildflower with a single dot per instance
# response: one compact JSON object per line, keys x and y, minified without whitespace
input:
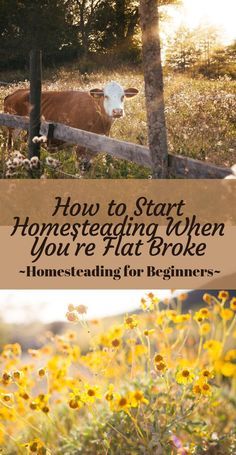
{"x":115,"y":343}
{"x":206,"y":374}
{"x":160,"y":366}
{"x":131,"y":322}
{"x":182,"y":296}
{"x":233,"y":304}
{"x":158,"y":358}
{"x":230,"y":355}
{"x":184,"y":377}
{"x":208,"y":299}
{"x":109,"y":395}
{"x":81,"y":309}
{"x":223,"y":295}
{"x":206,"y":389}
{"x":226,"y":314}
{"x":41,"y":372}
{"x":160,"y":317}
{"x":143,"y":304}
{"x":205,"y":328}
{"x":201,"y":388}
{"x":122,"y":403}
{"x":205,"y":313}
{"x":136,"y":398}
{"x":91,"y":393}
{"x":72,"y":316}
{"x":228,"y":369}
{"x":214,"y":348}
{"x":149,"y":332}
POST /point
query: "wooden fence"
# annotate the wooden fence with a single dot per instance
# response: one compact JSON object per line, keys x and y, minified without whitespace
{"x":178,"y":166}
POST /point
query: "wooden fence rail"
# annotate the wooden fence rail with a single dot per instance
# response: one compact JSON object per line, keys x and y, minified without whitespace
{"x":178,"y":166}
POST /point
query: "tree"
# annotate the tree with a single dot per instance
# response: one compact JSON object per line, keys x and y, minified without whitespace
{"x":26,"y":24}
{"x":191,"y":48}
{"x":222,"y":62}
{"x":182,"y":50}
{"x":83,"y":14}
{"x":154,"y":92}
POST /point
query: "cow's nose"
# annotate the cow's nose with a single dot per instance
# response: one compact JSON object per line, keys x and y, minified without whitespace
{"x":117,"y":113}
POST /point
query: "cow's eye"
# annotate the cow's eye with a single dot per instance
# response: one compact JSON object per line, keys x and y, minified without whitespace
{"x":122,"y":98}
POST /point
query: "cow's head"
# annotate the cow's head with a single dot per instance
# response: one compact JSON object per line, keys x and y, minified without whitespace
{"x":113,"y":98}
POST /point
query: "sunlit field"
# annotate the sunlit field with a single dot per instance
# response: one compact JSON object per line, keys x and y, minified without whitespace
{"x":160,"y":381}
{"x":200,"y":118}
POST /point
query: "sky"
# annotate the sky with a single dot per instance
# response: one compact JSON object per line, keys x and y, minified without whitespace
{"x":51,"y":305}
{"x":213,"y":12}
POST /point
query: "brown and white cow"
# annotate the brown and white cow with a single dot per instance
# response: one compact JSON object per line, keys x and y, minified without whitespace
{"x":93,"y":111}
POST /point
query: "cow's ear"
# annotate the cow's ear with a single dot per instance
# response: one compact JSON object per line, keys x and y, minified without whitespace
{"x":130,"y":92}
{"x":95,"y":92}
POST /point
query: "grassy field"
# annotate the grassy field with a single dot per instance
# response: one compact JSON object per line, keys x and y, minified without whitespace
{"x":200,"y":117}
{"x":161,"y":381}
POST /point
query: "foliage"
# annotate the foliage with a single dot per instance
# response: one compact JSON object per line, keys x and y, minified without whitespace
{"x":67,"y":29}
{"x":163,"y":382}
{"x":198,"y":51}
{"x":25,"y":25}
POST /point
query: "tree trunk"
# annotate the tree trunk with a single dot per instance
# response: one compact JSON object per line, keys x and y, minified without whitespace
{"x":35,"y":100}
{"x":154,"y":87}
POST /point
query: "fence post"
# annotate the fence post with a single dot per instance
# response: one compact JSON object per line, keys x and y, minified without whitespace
{"x":35,"y":100}
{"x":154,"y":92}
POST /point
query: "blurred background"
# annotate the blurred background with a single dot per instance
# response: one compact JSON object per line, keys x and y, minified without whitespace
{"x":26,"y":316}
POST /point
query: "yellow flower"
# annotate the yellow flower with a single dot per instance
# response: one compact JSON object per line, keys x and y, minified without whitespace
{"x":81,"y":309}
{"x":230,"y":355}
{"x":136,"y":398}
{"x":206,"y":389}
{"x":143,"y":304}
{"x":140,"y":350}
{"x":223,"y":295}
{"x":71,"y":335}
{"x":171,"y":314}
{"x":205,"y":313}
{"x":72,"y":316}
{"x":206,"y":374}
{"x":180,"y":318}
{"x":121,"y":403}
{"x":182,"y":297}
{"x":7,"y":397}
{"x":160,"y":367}
{"x":76,"y":400}
{"x":202,"y":388}
{"x":197,"y":389}
{"x":208,"y":299}
{"x":158,"y":358}
{"x":91,"y":393}
{"x":214,"y":348}
{"x":233,"y":304}
{"x":115,"y":343}
{"x":202,"y":314}
{"x":109,"y":395}
{"x":184,"y":377}
{"x":149,"y":332}
{"x":226,"y":314}
{"x":228,"y":369}
{"x":160,"y":317}
{"x":41,"y":372}
{"x":205,"y":328}
{"x":131,"y":322}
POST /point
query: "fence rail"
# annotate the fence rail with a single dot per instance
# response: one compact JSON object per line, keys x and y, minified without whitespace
{"x":178,"y":166}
